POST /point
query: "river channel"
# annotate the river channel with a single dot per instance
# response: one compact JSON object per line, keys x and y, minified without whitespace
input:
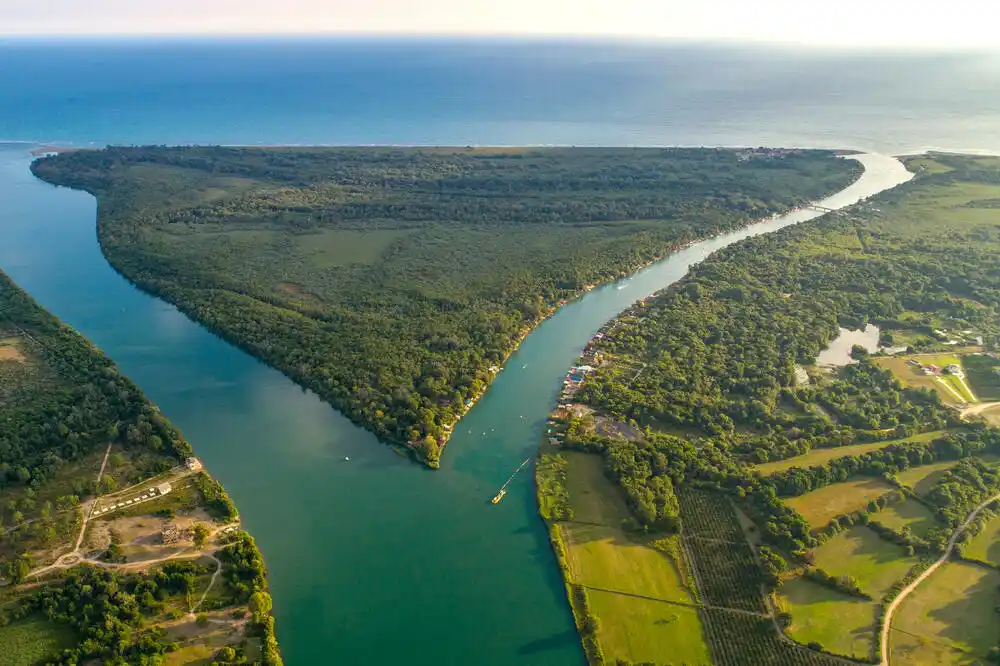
{"x":374,"y":560}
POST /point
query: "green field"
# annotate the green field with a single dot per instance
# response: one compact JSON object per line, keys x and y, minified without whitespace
{"x":981,"y":375}
{"x":637,"y":592}
{"x":985,"y":546}
{"x":605,"y":558}
{"x":840,"y":623}
{"x":821,"y":506}
{"x":949,"y":619}
{"x":910,"y":514}
{"x":648,"y":631}
{"x":821,"y":456}
{"x":33,"y":641}
{"x":859,"y":552}
{"x":923,"y":478}
{"x":592,"y":496}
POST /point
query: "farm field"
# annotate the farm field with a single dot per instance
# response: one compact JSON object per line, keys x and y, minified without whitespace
{"x":649,"y":631}
{"x":638,"y":593}
{"x":859,"y":552}
{"x":910,"y":514}
{"x":820,"y":506}
{"x":985,"y":546}
{"x":606,"y":558}
{"x":821,"y":456}
{"x":840,"y":623}
{"x":921,"y":479}
{"x":593,"y":497}
{"x":980,"y":371}
{"x":29,"y":642}
{"x":949,"y":619}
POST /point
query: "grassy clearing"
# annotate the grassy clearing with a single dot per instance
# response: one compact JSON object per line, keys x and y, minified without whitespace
{"x":980,"y":373}
{"x":949,"y":619}
{"x":605,"y":558}
{"x":985,"y":546}
{"x":821,"y":456}
{"x":648,"y":631}
{"x":910,"y":514}
{"x":840,"y":623}
{"x":859,"y":552}
{"x":592,"y":496}
{"x":923,"y":478}
{"x":33,"y":641}
{"x":951,"y":389}
{"x":629,"y":581}
{"x":820,"y":506}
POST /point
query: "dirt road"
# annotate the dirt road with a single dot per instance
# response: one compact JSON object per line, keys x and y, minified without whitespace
{"x":887,"y":623}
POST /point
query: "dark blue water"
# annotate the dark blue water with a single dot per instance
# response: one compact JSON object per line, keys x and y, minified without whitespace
{"x":494,"y":92}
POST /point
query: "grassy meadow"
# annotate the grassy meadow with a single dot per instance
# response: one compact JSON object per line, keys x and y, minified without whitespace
{"x":921,"y":479}
{"x":859,"y":552}
{"x":33,"y":641}
{"x":949,"y":619}
{"x":821,"y":506}
{"x":985,"y":546}
{"x":910,"y":514}
{"x":821,"y":456}
{"x":840,"y":623}
{"x":637,"y":590}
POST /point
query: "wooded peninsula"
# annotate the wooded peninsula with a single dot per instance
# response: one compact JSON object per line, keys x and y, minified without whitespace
{"x":395,"y":282}
{"x":718,"y":494}
{"x":116,"y":547}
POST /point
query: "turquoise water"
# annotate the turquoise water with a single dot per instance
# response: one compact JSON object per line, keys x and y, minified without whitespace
{"x":375,"y":560}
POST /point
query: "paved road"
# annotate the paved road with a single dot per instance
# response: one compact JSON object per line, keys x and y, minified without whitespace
{"x":887,"y":623}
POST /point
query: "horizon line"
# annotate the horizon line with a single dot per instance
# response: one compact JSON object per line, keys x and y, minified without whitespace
{"x":635,"y":38}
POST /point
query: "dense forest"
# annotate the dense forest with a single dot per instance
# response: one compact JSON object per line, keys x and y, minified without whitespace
{"x":392,"y":281}
{"x":66,"y":400}
{"x":63,"y":404}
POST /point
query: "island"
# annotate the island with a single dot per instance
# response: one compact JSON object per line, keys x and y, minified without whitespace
{"x":395,"y":282}
{"x":791,"y":456}
{"x":116,"y":546}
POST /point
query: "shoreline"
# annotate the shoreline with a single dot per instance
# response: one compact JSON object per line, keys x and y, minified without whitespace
{"x":551,"y":446}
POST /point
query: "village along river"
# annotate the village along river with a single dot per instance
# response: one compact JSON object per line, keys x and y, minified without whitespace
{"x":375,"y":560}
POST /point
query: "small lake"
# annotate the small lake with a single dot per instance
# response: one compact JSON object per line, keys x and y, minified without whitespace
{"x":838,"y":353}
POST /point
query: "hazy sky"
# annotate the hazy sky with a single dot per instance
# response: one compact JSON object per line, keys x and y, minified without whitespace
{"x":955,"y":23}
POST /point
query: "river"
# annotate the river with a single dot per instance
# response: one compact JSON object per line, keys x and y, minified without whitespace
{"x":376,"y":560}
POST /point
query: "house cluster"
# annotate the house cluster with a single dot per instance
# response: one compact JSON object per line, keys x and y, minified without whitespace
{"x":932,"y":370}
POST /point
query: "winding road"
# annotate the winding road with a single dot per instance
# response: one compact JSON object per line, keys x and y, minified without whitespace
{"x":887,"y":622}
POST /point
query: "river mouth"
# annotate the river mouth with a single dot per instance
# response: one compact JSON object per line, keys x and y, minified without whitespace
{"x":372,"y":559}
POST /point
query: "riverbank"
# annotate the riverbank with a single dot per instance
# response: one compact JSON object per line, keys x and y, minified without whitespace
{"x":582,"y":557}
{"x":405,"y":361}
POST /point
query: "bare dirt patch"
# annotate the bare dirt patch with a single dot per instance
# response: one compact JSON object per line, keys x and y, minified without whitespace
{"x":141,"y":536}
{"x":10,"y":352}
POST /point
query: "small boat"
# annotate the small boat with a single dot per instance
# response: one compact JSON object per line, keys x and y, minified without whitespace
{"x":503,"y":491}
{"x":347,"y":458}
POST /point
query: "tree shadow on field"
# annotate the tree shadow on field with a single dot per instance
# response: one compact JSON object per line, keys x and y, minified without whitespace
{"x":968,"y":614}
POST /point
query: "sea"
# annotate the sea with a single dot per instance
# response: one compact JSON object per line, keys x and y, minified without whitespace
{"x":373,"y":559}
{"x":92,"y":92}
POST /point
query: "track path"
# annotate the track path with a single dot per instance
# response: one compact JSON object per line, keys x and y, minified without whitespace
{"x":887,"y":623}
